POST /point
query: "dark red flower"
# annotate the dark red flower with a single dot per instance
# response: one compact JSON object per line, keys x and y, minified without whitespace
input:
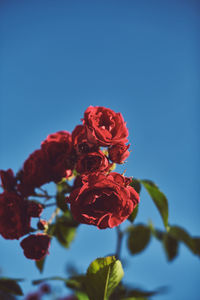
{"x":80,"y":141}
{"x":35,"y":173}
{"x":59,"y":154}
{"x":36,"y":246}
{"x":103,"y":200}
{"x":118,"y":153}
{"x":104,"y":126}
{"x":8,"y":180}
{"x":14,"y":217}
{"x":92,"y":162}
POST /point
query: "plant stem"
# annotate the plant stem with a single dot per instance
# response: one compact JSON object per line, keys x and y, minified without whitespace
{"x":54,"y":214}
{"x":119,"y":242}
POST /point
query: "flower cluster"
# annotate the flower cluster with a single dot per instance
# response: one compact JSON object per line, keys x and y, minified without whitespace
{"x":97,"y":197}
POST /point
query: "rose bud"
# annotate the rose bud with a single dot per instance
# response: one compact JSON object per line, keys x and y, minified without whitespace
{"x":33,"y":296}
{"x":104,"y":126}
{"x":42,"y":224}
{"x":118,"y":153}
{"x":103,"y":200}
{"x":36,"y":246}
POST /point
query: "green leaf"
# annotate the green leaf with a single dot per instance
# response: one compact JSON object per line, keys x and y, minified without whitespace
{"x":159,"y":199}
{"x":40,"y":264}
{"x":181,"y":235}
{"x":171,"y":246}
{"x":135,"y":183}
{"x":61,"y":201}
{"x":76,"y":282}
{"x":139,"y":238}
{"x":103,"y":276}
{"x":64,"y":229}
{"x":133,"y":215}
{"x":10,"y":286}
{"x":196,"y":241}
{"x":81,"y":296}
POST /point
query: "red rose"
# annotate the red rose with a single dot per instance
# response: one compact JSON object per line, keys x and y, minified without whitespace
{"x":118,"y":153}
{"x":103,"y":200}
{"x":59,"y":154}
{"x":35,"y":173}
{"x":92,"y":162}
{"x":36,"y":246}
{"x":80,"y":141}
{"x":8,"y":180}
{"x":14,"y":217}
{"x":104,"y":126}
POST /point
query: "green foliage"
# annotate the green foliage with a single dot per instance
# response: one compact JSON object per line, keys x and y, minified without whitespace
{"x":135,"y":183}
{"x":171,"y":246}
{"x":133,"y":215}
{"x":138,"y":238}
{"x":103,"y":276}
{"x":10,"y":286}
{"x":159,"y":199}
{"x":64,"y":229}
{"x":40,"y":264}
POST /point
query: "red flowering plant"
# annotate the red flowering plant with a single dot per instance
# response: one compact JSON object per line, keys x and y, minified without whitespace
{"x":89,"y":191}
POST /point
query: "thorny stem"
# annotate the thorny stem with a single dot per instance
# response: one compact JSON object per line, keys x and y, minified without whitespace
{"x":119,"y":242}
{"x":54,"y":214}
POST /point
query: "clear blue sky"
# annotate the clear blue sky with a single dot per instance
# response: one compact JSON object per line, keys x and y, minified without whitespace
{"x":140,"y":58}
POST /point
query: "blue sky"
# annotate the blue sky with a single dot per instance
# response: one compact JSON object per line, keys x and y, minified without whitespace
{"x":140,"y":58}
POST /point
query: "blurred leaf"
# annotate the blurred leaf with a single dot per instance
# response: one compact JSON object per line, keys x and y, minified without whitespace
{"x":137,"y":293}
{"x":103,"y":276}
{"x":61,"y":201}
{"x":196,"y":241}
{"x":81,"y":296}
{"x":171,"y":246}
{"x":76,"y":282}
{"x":40,"y":264}
{"x":64,"y":229}
{"x":159,"y":199}
{"x":181,"y":235}
{"x":64,"y":235}
{"x":10,"y":286}
{"x":133,"y":215}
{"x":139,"y":238}
{"x":135,"y":183}
{"x":134,"y":298}
{"x":5,"y":296}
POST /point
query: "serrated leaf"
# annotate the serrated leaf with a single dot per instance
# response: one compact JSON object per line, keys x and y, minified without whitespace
{"x":10,"y":286}
{"x":171,"y":246}
{"x":40,"y":264}
{"x":135,"y":183}
{"x":158,"y":198}
{"x":133,"y":215}
{"x":139,"y":238}
{"x":103,"y":276}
